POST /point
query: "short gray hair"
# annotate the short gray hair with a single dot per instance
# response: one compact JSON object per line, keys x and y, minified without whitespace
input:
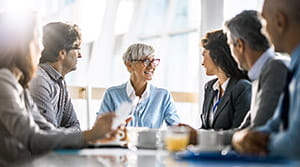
{"x":247,"y":27}
{"x":137,"y":51}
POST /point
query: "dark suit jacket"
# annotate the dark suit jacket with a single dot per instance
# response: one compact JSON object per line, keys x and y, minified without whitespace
{"x":233,"y":107}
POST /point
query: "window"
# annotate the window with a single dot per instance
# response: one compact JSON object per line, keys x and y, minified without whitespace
{"x":172,"y":27}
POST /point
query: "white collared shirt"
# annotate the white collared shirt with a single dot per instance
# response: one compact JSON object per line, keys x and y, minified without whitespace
{"x":216,"y":87}
{"x":254,"y":74}
{"x":255,"y":71}
{"x":131,"y":93}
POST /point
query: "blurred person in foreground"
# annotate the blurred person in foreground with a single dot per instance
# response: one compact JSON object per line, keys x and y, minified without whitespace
{"x":151,"y":105}
{"x":280,"y":136}
{"x":266,"y":70}
{"x":20,"y":137}
{"x":227,"y":97}
{"x":48,"y":88}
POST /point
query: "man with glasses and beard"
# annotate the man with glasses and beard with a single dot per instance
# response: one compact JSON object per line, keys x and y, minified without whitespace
{"x":48,"y":89}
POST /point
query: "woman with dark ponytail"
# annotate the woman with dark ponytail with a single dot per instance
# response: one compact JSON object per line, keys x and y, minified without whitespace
{"x":227,"y":97}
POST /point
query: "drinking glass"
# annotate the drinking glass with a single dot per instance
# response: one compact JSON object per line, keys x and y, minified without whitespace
{"x":177,"y":138}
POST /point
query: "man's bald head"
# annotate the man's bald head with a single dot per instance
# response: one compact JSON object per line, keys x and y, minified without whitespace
{"x":283,"y":23}
{"x":291,"y":8}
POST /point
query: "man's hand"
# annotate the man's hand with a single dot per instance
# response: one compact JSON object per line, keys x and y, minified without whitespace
{"x":101,"y":129}
{"x":116,"y":133}
{"x":250,"y":142}
{"x":123,"y":125}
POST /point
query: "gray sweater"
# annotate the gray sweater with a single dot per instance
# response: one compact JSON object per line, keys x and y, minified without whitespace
{"x":20,"y":136}
{"x":270,"y":85}
{"x":48,"y":90}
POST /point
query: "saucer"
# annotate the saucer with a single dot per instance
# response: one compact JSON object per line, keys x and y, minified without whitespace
{"x":110,"y":144}
{"x":199,"y":148}
{"x":147,"y":146}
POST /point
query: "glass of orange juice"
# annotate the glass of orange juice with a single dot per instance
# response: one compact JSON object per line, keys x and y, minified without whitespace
{"x":177,"y":138}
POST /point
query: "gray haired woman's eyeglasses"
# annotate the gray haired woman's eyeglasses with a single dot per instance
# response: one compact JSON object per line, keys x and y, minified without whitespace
{"x":148,"y":62}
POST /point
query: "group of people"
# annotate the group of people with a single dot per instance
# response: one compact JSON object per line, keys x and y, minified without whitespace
{"x":270,"y":124}
{"x":24,"y":130}
{"x":253,"y":101}
{"x":37,"y":114}
{"x":243,"y":104}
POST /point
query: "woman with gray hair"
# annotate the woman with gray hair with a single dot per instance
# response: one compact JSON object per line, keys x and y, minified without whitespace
{"x":152,"y":105}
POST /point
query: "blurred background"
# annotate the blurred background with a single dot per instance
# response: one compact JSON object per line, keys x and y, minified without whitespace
{"x":173,"y":27}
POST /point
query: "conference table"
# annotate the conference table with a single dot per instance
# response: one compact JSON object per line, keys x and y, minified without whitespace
{"x":123,"y":157}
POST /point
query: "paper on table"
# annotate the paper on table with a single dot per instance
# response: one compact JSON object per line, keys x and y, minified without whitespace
{"x":133,"y":105}
{"x":121,"y":114}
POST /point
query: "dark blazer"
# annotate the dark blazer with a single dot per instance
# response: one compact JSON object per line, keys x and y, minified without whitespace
{"x":233,"y":106}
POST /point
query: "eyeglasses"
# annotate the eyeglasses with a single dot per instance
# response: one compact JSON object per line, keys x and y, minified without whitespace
{"x":74,"y":48}
{"x":148,"y":62}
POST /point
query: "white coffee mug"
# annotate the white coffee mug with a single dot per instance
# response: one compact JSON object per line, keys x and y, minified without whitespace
{"x":148,"y":138}
{"x":207,"y":138}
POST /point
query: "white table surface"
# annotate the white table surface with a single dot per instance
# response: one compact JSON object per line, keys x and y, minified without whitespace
{"x":119,"y":157}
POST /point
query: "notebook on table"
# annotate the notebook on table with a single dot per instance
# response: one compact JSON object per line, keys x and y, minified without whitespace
{"x":231,"y":156}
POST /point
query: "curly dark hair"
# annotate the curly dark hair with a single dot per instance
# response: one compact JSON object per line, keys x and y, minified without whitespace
{"x":56,"y":37}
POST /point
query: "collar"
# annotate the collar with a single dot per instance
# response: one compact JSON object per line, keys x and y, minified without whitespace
{"x":131,"y":92}
{"x":51,"y":71}
{"x":216,"y":85}
{"x":12,"y":78}
{"x":295,"y":59}
{"x":255,"y":71}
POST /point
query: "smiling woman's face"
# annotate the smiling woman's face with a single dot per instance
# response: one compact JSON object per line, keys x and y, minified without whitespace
{"x":139,"y":71}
